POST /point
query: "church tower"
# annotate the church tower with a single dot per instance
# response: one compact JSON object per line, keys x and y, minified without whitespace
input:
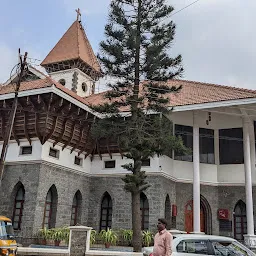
{"x":72,"y":61}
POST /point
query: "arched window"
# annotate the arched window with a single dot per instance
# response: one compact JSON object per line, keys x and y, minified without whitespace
{"x":84,"y":87}
{"x":240,"y":221}
{"x":62,"y":81}
{"x":50,"y":208}
{"x":18,"y":208}
{"x":144,"y":212}
{"x":167,"y":211}
{"x":76,"y":209}
{"x":106,"y":212}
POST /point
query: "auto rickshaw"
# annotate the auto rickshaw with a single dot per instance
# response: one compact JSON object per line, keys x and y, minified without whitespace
{"x":8,"y":245}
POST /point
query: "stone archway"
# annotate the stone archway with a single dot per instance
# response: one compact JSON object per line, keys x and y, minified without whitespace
{"x":205,"y":216}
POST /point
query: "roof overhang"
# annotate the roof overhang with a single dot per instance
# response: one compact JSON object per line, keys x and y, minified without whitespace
{"x":218,"y":104}
{"x":52,"y":89}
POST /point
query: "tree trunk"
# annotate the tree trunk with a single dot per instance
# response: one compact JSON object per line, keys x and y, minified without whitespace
{"x":136,"y":222}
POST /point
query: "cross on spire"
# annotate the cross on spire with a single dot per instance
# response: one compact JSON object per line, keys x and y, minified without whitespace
{"x":78,"y":18}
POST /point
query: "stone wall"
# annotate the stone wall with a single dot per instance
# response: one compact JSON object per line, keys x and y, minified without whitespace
{"x":14,"y":176}
{"x":121,"y":200}
{"x":37,"y":179}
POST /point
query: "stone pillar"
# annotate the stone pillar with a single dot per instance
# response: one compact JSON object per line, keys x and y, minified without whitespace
{"x":250,"y":238}
{"x":79,"y":240}
{"x":196,"y":177}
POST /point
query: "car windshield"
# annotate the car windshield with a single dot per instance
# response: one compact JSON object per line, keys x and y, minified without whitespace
{"x":6,"y":230}
{"x":224,"y":248}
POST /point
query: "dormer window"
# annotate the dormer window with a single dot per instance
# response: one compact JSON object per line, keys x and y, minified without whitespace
{"x":62,"y":81}
{"x":84,"y":87}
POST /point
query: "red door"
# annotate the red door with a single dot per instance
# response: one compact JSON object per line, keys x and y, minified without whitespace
{"x":189,"y":218}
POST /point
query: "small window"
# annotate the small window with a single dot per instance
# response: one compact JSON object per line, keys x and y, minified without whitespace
{"x":145,"y":162}
{"x":54,"y":153}
{"x":110,"y":164}
{"x":62,"y":81}
{"x":84,"y":87}
{"x":193,"y":246}
{"x":78,"y":160}
{"x":27,"y":150}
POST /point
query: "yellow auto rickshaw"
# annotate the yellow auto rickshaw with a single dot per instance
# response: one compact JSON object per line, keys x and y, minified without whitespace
{"x":8,"y":245}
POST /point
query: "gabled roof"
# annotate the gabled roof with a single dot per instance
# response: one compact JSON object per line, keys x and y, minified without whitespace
{"x":32,"y":70}
{"x":41,"y":83}
{"x":193,"y":93}
{"x":73,"y":45}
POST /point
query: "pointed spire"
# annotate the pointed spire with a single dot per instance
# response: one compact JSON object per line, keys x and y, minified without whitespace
{"x":74,"y":45}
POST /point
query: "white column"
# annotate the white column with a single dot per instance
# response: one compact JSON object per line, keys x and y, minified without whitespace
{"x":248,"y":177}
{"x":216,"y":147}
{"x":252,"y":149}
{"x":249,"y":238}
{"x":196,"y":176}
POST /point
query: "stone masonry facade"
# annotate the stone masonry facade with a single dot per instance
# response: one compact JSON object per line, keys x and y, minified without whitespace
{"x":38,"y":178}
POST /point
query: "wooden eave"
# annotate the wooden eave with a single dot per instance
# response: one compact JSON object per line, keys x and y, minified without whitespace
{"x":48,"y":117}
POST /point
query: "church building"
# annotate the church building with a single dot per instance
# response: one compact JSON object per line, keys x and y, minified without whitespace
{"x":56,"y":175}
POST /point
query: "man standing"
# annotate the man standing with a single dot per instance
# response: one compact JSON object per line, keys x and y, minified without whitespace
{"x":162,"y":240}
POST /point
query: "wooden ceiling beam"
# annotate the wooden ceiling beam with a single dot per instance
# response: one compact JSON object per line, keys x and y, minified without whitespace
{"x":3,"y":124}
{"x":109,"y":152}
{"x":52,"y":130}
{"x":98,"y":149}
{"x":93,"y":152}
{"x":86,"y":140}
{"x":40,"y":100}
{"x":37,"y":129}
{"x":62,"y":132}
{"x":79,"y":142}
{"x":25,"y":128}
{"x":15,"y":135}
{"x":71,"y":136}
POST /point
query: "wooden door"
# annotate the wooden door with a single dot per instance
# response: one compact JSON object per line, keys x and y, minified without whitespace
{"x":189,"y":218}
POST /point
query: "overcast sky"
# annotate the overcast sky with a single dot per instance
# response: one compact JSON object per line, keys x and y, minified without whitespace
{"x":216,"y":38}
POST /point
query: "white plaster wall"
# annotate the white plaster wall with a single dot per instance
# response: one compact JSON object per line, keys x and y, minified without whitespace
{"x":83,"y":78}
{"x":209,"y":173}
{"x":97,"y":166}
{"x":183,"y":170}
{"x":68,"y":76}
{"x":166,"y":165}
{"x":232,"y":173}
{"x":218,"y":121}
{"x":13,"y":151}
{"x":65,"y":158}
{"x":65,"y":74}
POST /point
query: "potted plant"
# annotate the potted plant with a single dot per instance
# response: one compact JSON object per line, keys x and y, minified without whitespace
{"x":147,"y":238}
{"x":43,"y":235}
{"x":59,"y":234}
{"x":127,"y":235}
{"x":109,"y":237}
{"x":93,"y":236}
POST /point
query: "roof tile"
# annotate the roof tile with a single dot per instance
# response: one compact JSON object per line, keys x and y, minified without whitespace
{"x":194,"y":93}
{"x":73,"y":45}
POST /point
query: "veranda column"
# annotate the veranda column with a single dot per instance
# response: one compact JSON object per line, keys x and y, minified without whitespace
{"x":196,"y":176}
{"x":249,"y":238}
{"x":216,"y":146}
{"x":252,"y":148}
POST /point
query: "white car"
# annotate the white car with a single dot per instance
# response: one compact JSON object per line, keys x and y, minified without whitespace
{"x":192,"y":244}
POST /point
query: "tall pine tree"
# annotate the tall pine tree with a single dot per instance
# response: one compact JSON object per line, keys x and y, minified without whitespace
{"x":139,"y":35}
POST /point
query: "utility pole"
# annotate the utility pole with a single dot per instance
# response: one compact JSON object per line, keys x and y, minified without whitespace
{"x":21,"y":68}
